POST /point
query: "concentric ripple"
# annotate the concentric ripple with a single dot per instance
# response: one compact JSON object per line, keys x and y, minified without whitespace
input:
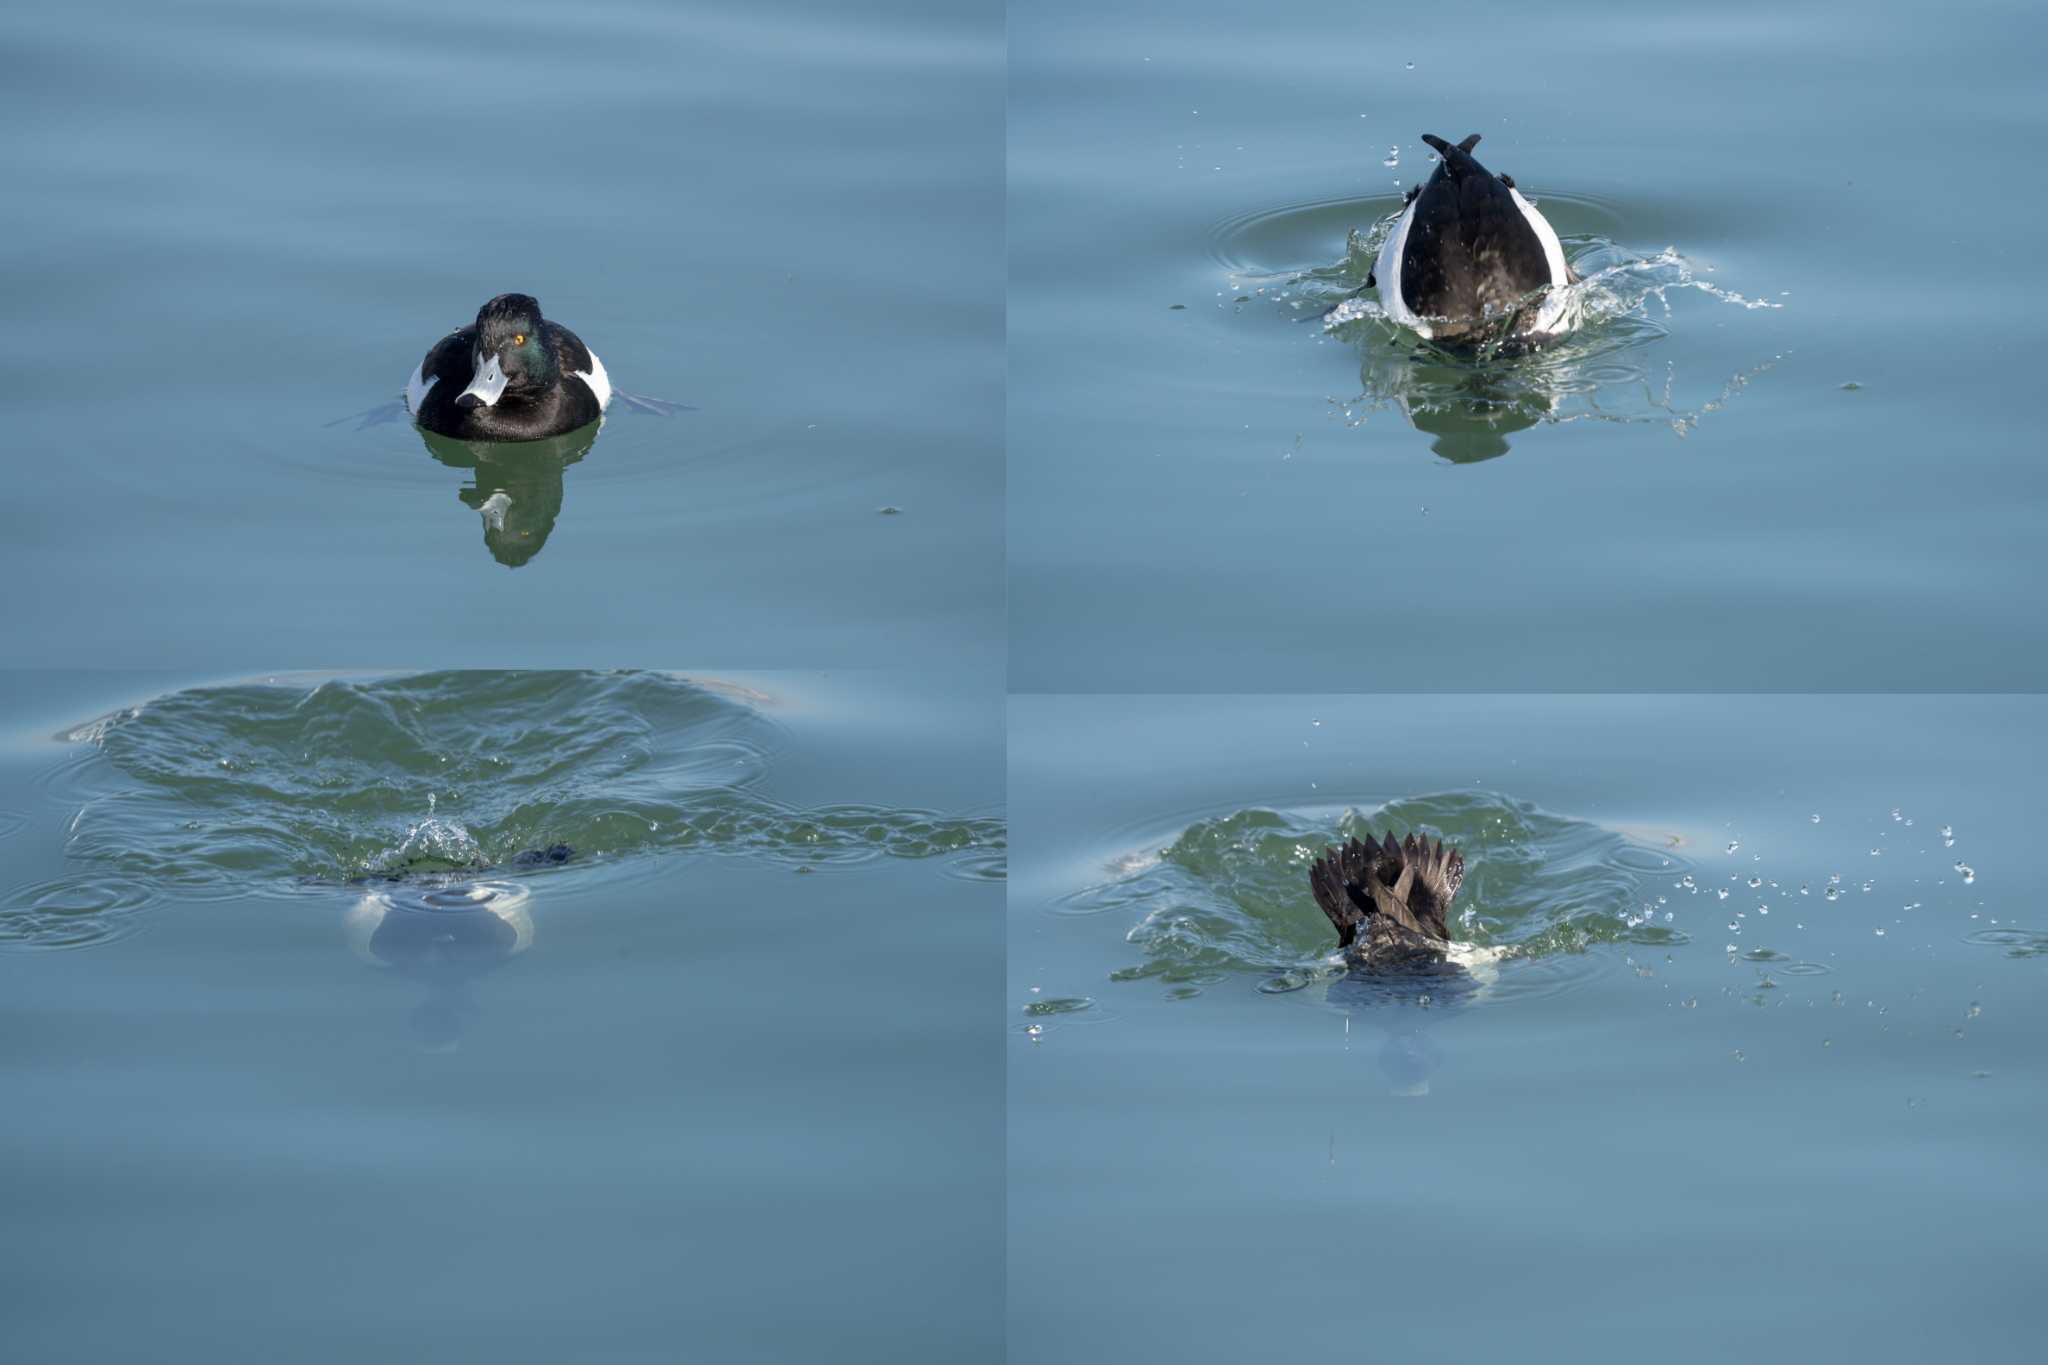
{"x":71,"y":912}
{"x":2016,"y":942}
{"x":1228,"y":896}
{"x":1604,"y":371}
{"x":433,"y":780}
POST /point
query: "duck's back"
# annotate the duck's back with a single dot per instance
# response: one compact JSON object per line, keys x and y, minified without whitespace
{"x":1471,"y":252}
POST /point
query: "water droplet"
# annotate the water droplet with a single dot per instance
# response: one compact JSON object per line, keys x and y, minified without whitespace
{"x":1975,"y":1009}
{"x":1948,"y":837}
{"x":1692,"y":1002}
{"x":1827,"y":1042}
{"x":1393,"y":158}
{"x":1816,"y":817}
{"x":1896,"y":817}
{"x":1722,"y":892}
{"x":1878,"y":932}
{"x":1411,"y":66}
{"x":1734,"y":844}
{"x":1876,"y":852}
{"x":1687,"y":882}
{"x":1737,"y":1055}
{"x":1034,"y":1032}
{"x":1834,"y":893}
{"x":1969,"y":873}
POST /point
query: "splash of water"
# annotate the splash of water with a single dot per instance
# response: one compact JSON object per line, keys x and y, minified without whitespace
{"x":220,"y":792}
{"x":1600,"y":372}
{"x":1229,"y":894}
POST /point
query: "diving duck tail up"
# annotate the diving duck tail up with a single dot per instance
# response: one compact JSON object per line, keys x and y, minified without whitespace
{"x":1471,"y":260}
{"x":1389,"y":902}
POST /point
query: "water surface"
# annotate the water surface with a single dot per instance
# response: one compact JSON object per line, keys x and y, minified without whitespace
{"x":286,"y":1011}
{"x":1751,"y":1064}
{"x":232,"y":224}
{"x":1210,"y":491}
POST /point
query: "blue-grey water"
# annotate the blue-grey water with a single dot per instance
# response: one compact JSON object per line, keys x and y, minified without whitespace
{"x":229,"y":225}
{"x":300,"y":1063}
{"x":1836,"y":490}
{"x":1759,"y":1074}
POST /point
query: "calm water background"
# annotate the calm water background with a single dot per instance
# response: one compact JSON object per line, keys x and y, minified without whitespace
{"x":1190,"y":509}
{"x":229,"y":224}
{"x":713,"y":1106}
{"x":1644,"y":1147}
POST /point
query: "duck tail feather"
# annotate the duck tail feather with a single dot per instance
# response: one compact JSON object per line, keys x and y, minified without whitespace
{"x":1327,"y":881}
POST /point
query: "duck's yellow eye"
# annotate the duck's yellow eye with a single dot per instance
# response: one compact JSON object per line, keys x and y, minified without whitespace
{"x":519,"y":340}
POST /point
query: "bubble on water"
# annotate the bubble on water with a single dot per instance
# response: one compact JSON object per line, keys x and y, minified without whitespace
{"x":1834,"y":893}
{"x":1763,"y":907}
{"x":1687,"y":882}
{"x":1411,"y":66}
{"x":1393,"y":158}
{"x":1969,"y":873}
{"x":1755,"y":882}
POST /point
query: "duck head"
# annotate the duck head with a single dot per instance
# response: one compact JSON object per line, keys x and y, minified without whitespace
{"x":511,"y":359}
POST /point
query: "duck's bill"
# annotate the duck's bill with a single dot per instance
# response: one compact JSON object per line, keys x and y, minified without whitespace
{"x":486,"y":388}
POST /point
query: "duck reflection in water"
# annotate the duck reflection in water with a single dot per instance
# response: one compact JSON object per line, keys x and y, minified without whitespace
{"x":445,"y":937}
{"x":1470,"y":408}
{"x":518,"y":486}
{"x":1406,"y":1010}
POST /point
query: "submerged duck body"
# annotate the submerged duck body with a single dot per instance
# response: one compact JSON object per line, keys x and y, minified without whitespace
{"x":1389,"y":902}
{"x":552,"y":856}
{"x":512,"y":375}
{"x":1469,"y":253}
